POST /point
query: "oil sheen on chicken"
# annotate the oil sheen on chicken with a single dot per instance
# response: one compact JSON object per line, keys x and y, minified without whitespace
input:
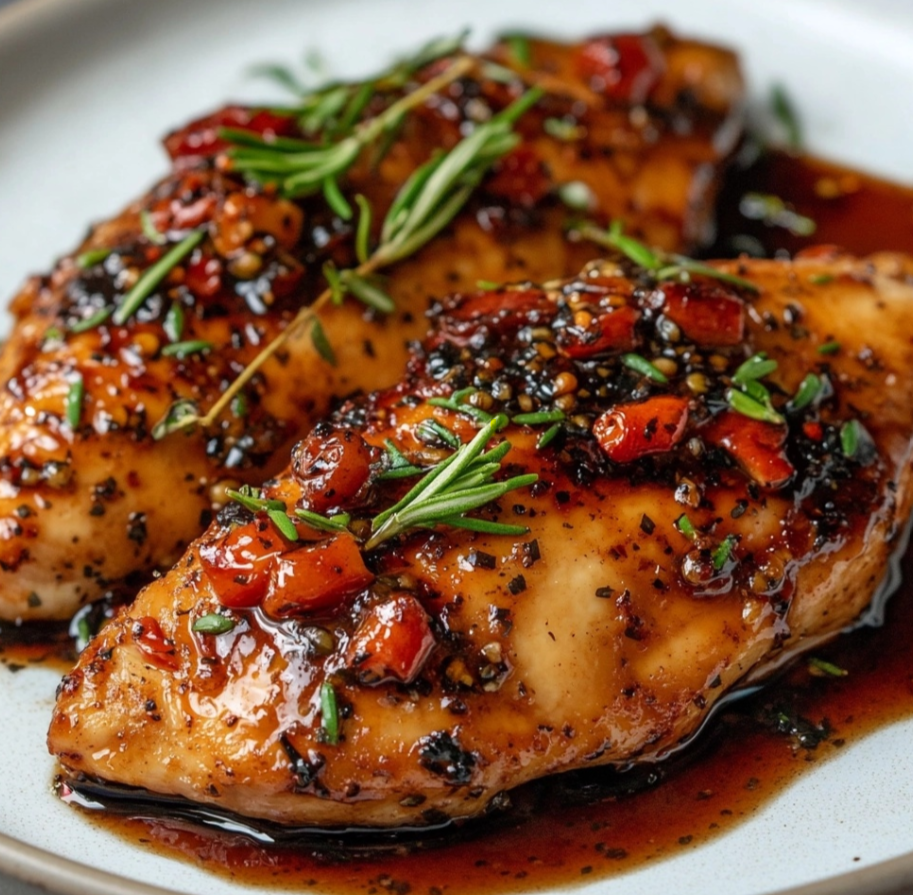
{"x":728,"y":475}
{"x":89,"y":502}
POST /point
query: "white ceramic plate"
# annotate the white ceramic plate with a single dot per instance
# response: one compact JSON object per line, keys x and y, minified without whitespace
{"x":87,"y":87}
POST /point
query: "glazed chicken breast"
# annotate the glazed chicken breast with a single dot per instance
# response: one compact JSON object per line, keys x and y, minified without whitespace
{"x":588,"y":511}
{"x":171,"y":300}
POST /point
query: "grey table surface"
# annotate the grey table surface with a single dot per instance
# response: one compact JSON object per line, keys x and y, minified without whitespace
{"x":901,"y":9}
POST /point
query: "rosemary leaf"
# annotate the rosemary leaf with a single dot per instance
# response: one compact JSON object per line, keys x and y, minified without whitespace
{"x":756,"y":367}
{"x":173,"y":324}
{"x":363,"y":233}
{"x":149,"y":231}
{"x":548,"y":436}
{"x":178,"y":416}
{"x":324,"y":523}
{"x":748,"y":406}
{"x":182,"y":350}
{"x":281,"y":520}
{"x":91,"y":322}
{"x":329,"y":713}
{"x":74,"y":401}
{"x":321,"y":343}
{"x":152,"y":278}
{"x":644,"y":367}
{"x":539,"y":417}
{"x":809,"y":389}
{"x":92,"y":257}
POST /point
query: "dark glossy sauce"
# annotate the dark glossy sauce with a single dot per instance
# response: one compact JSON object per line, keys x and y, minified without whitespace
{"x":581,"y":826}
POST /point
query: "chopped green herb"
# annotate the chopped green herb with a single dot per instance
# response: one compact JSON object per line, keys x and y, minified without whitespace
{"x":723,"y":552}
{"x":519,"y":48}
{"x":850,"y":435}
{"x":756,"y":367}
{"x":400,"y":467}
{"x":488,"y":285}
{"x":92,"y":257}
{"x":821,"y":279}
{"x":149,"y":230}
{"x":283,"y":522}
{"x":173,"y":324}
{"x":363,"y":233}
{"x":177,"y":417}
{"x":564,"y":130}
{"x":239,"y":406}
{"x":213,"y":623}
{"x":329,"y":713}
{"x":453,"y":403}
{"x":823,"y":668}
{"x":577,"y":195}
{"x":321,"y":343}
{"x":785,"y":114}
{"x":83,"y":632}
{"x":644,"y":367}
{"x":829,"y":347}
{"x":431,"y":431}
{"x":324,"y":523}
{"x":254,"y":502}
{"x":548,"y":436}
{"x":536,"y":419}
{"x":153,"y":276}
{"x":180,"y":350}
{"x":809,"y":389}
{"x":53,"y":334}
{"x":91,"y":322}
{"x":774,"y":212}
{"x":748,"y":406}
{"x":683,"y":524}
{"x":75,"y":396}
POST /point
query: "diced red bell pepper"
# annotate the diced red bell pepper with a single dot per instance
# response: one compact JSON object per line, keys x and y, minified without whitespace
{"x":152,"y":643}
{"x":624,"y":67}
{"x":204,"y":276}
{"x":755,"y":445}
{"x":708,"y":315}
{"x":631,"y":431}
{"x":499,"y":311}
{"x":520,"y":178}
{"x":611,"y":331}
{"x":392,"y":642}
{"x":238,"y":565}
{"x":316,"y":577}
{"x":813,"y":430}
{"x":332,"y":469}
{"x":201,"y":137}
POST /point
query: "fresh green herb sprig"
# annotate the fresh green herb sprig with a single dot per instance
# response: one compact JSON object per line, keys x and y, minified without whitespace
{"x":74,"y":401}
{"x":274,"y":509}
{"x":772,"y":211}
{"x":424,"y":205}
{"x":456,"y":403}
{"x":456,"y":486}
{"x":333,"y":109}
{"x":329,"y":713}
{"x":644,"y":367}
{"x":723,"y":552}
{"x":213,"y":623}
{"x":302,"y":168}
{"x":661,"y":265}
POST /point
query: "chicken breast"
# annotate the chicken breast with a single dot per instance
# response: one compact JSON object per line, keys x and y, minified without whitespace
{"x":709,"y":477}
{"x":90,"y":503}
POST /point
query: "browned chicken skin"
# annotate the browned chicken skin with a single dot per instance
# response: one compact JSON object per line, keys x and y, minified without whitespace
{"x":88,"y":501}
{"x":676,"y":548}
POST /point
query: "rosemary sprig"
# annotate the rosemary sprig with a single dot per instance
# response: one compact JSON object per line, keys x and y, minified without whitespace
{"x":456,"y":486}
{"x":424,"y":205}
{"x":662,"y":265}
{"x":92,"y":321}
{"x":301,"y":168}
{"x":74,"y":401}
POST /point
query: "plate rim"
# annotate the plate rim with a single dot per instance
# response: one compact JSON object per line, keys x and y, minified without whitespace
{"x":66,"y":876}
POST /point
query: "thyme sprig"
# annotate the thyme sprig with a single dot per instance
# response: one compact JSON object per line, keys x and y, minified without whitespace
{"x":301,"y":168}
{"x":456,"y":486}
{"x":425,"y":204}
{"x":662,"y":265}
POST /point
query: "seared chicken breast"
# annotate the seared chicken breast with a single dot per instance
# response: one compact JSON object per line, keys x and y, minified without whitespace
{"x":90,"y":502}
{"x":700,"y":478}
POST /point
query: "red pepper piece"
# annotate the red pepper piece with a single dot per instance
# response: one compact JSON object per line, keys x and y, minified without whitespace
{"x":332,"y":469}
{"x":153,"y":644}
{"x":708,"y":315}
{"x":814,"y":431}
{"x":204,"y":277}
{"x":316,"y":577}
{"x":630,"y":431}
{"x":520,"y":178}
{"x":499,"y":311}
{"x":612,"y":331}
{"x":238,"y":565}
{"x":392,"y":642}
{"x":201,"y":137}
{"x":755,"y":445}
{"x":625,"y":67}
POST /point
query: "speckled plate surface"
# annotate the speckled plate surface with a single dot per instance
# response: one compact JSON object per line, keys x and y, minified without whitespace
{"x":87,"y":87}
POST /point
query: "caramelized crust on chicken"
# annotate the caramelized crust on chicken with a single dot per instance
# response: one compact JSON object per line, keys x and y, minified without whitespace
{"x":88,"y":500}
{"x":728,"y":476}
